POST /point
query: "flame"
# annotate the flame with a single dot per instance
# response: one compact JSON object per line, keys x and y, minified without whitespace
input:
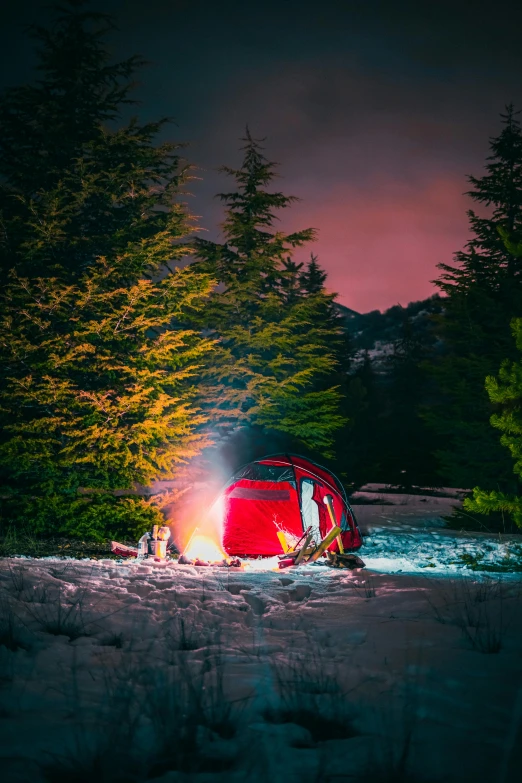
{"x":204,"y":548}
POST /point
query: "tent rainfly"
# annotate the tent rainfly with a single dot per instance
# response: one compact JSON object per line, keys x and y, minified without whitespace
{"x":284,"y":494}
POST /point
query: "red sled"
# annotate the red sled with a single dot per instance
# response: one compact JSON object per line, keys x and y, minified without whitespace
{"x":123,"y":551}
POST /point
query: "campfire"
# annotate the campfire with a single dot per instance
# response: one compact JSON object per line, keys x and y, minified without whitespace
{"x":204,"y":546}
{"x":205,"y":550}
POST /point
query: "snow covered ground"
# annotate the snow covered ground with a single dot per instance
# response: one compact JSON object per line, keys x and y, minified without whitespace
{"x":408,"y":534}
{"x":408,"y":670}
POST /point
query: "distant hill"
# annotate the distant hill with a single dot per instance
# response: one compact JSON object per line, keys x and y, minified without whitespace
{"x":377,"y":332}
{"x":346,"y":313}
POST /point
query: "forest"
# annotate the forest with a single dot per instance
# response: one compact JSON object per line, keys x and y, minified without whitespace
{"x":135,"y":349}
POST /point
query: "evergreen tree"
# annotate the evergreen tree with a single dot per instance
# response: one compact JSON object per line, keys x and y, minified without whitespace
{"x":313,"y":278}
{"x":97,"y":385}
{"x":275,"y":359}
{"x":312,"y":287}
{"x":86,"y":183}
{"x":98,"y":395}
{"x":360,"y":443}
{"x":505,"y":392}
{"x":406,"y":442}
{"x":484,"y":291}
{"x":290,"y":282}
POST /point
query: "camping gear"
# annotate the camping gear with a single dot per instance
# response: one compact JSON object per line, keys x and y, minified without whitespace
{"x":154,"y":544}
{"x":328,"y":501}
{"x":159,"y":549}
{"x":282,"y":540}
{"x":143,"y":545}
{"x":306,"y":535}
{"x":164,"y":533}
{"x":325,"y":543}
{"x":158,"y":543}
{"x":338,"y":560}
{"x":302,"y":552}
{"x":122,"y":550}
{"x":284,"y":493}
{"x":311,"y":554}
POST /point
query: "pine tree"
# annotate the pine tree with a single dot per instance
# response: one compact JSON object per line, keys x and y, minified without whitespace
{"x":360,"y":443}
{"x":505,"y":392}
{"x":84,"y":181}
{"x":484,"y":291}
{"x":290,"y":282}
{"x":313,"y":278}
{"x":98,"y":374}
{"x":98,"y":396}
{"x":312,"y":287}
{"x":275,"y":355}
{"x":406,"y":442}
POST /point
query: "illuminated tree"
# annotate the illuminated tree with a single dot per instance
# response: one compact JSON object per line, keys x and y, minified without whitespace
{"x":98,"y":395}
{"x":275,"y":358}
{"x":97,"y":391}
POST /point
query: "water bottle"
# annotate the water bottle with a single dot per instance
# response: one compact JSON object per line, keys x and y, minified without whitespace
{"x":143,"y":546}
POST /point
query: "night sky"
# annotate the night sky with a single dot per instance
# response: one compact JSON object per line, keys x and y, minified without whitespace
{"x":376,"y":112}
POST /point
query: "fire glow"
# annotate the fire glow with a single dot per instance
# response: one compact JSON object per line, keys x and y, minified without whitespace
{"x":201,"y":547}
{"x":203,"y":527}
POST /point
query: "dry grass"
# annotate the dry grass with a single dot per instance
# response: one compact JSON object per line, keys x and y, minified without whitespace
{"x":477,"y":608}
{"x":309,"y":693}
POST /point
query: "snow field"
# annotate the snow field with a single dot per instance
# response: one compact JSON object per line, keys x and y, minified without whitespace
{"x":407,"y":533}
{"x":132,"y":672}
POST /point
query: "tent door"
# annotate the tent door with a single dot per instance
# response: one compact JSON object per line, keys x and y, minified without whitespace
{"x":310,"y":509}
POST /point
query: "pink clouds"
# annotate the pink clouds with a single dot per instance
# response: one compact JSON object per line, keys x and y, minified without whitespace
{"x":381,"y":244}
{"x":380,"y":168}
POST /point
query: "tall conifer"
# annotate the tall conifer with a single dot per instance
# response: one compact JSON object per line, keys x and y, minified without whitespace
{"x":85,"y":181}
{"x":275,"y":359}
{"x":313,"y":278}
{"x":505,"y":393}
{"x":484,"y":291}
{"x":97,"y":385}
{"x":406,"y":442}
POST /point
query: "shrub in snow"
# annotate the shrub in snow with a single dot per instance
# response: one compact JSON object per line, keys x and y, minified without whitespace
{"x":309,"y":694}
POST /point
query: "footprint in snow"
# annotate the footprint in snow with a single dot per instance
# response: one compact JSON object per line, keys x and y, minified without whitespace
{"x":297,"y":593}
{"x":236,"y":588}
{"x":255,"y":602}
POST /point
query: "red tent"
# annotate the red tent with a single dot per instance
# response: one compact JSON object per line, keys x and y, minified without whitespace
{"x":283,"y":493}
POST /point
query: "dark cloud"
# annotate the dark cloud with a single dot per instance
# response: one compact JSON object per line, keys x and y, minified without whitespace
{"x":375,"y":110}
